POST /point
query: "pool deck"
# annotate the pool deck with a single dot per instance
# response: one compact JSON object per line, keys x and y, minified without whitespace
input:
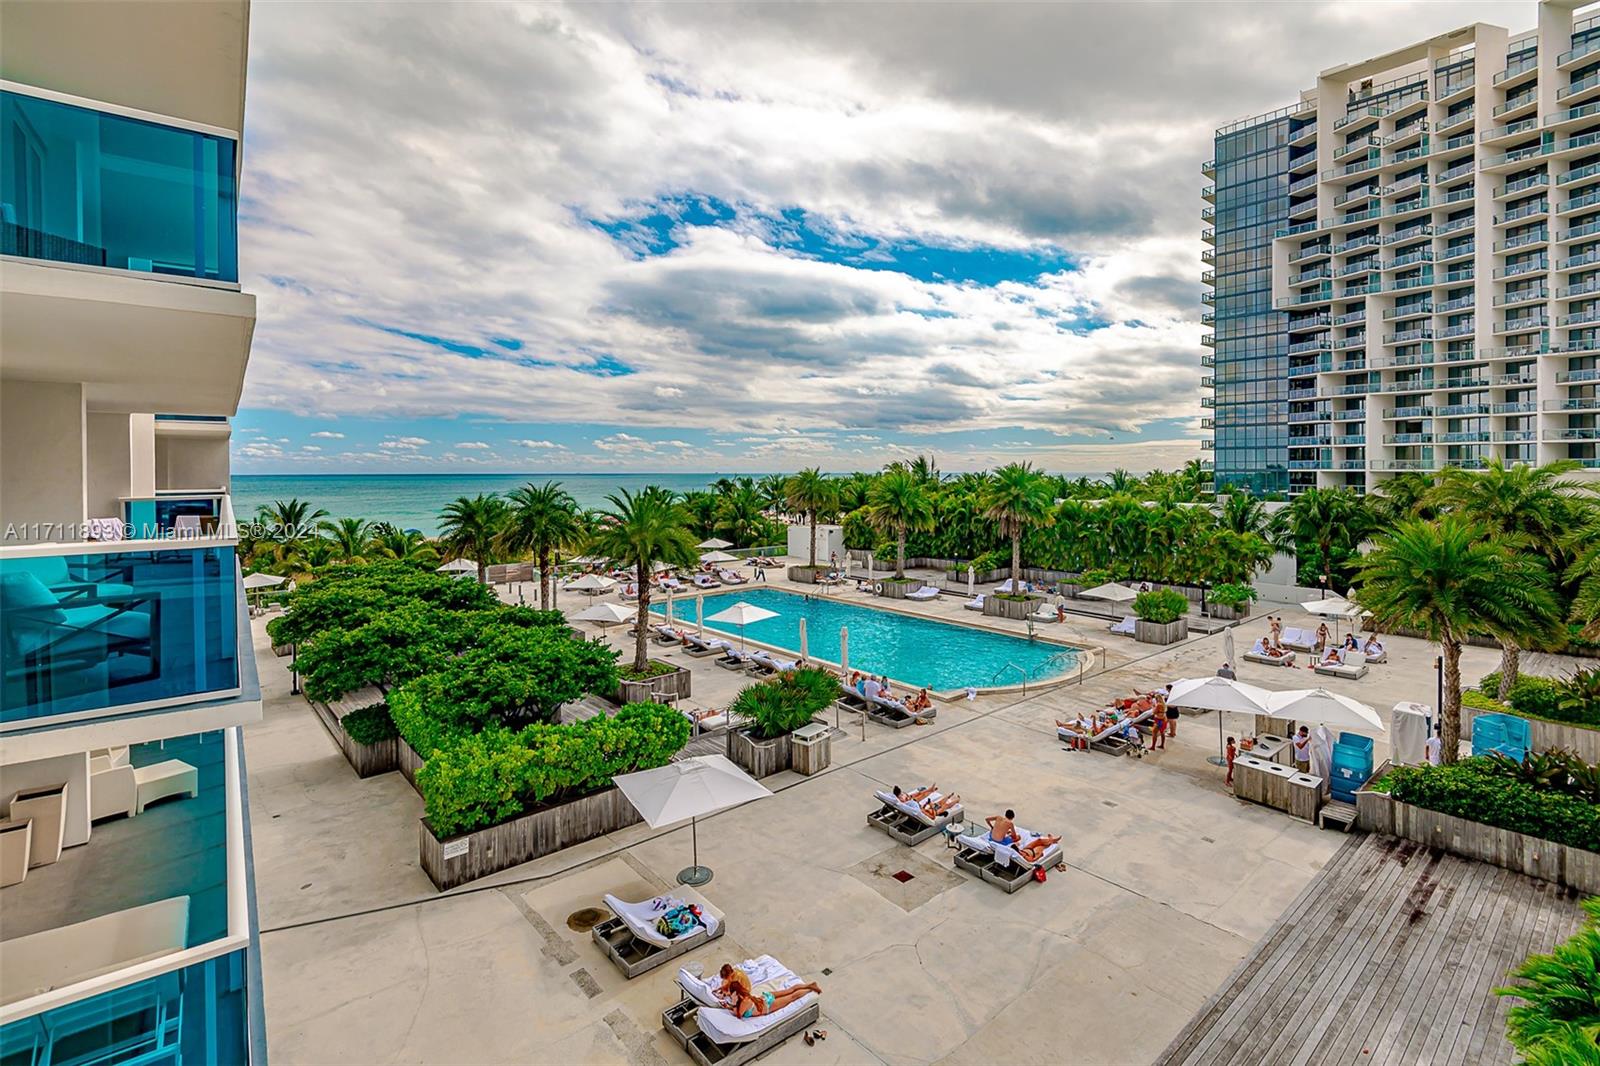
{"x":1171,"y":883}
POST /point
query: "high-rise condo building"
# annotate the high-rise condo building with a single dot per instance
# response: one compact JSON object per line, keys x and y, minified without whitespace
{"x":127,"y":921}
{"x":1404,"y":264}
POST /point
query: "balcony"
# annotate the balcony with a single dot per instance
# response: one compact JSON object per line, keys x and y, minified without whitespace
{"x":1460,"y":170}
{"x":136,"y":196}
{"x":1581,"y":201}
{"x":101,"y":628}
{"x":1573,"y":433}
{"x":1209,"y":194}
{"x":1306,"y":277}
{"x":1310,"y":322}
{"x":1523,"y":240}
{"x":1538,"y":207}
{"x":1514,"y":407}
{"x":1316,"y":344}
{"x":1353,"y":414}
{"x":1580,"y":174}
{"x":1315,"y":252}
{"x":1511,"y":270}
{"x":1416,"y":310}
{"x":1455,"y":121}
{"x":1460,"y":303}
{"x":1576,"y":403}
{"x":1409,"y":336}
{"x":1403,"y":464}
{"x":1581,"y":89}
{"x":1566,"y":59}
{"x":1458,"y":251}
{"x":1408,"y":438}
{"x":1536,"y":294}
{"x":1511,"y":188}
{"x":1350,"y":318}
{"x":1514,"y":436}
{"x":1577,"y":262}
{"x":1585,"y":288}
{"x":1579,"y":345}
{"x":1400,"y":413}
{"x":1459,"y":409}
{"x":1460,"y":329}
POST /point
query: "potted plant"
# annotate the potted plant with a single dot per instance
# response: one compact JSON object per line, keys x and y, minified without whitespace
{"x":1231,"y":601}
{"x":1161,"y":616}
{"x":773,"y":709}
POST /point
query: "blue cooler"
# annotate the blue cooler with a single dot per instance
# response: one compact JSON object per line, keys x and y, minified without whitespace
{"x":1352,"y":766}
{"x":1506,"y":733}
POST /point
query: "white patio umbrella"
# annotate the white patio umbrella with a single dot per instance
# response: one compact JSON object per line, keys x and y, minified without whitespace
{"x":742,"y":614}
{"x":1336,"y":608}
{"x":689,"y":788}
{"x":1112,"y":591}
{"x":458,"y":566}
{"x":802,"y":638}
{"x":256,"y":582}
{"x":1328,"y":708}
{"x":713,"y":543}
{"x":1221,"y":695}
{"x":593,"y":584}
{"x":718,"y":557}
{"x":605,"y":614}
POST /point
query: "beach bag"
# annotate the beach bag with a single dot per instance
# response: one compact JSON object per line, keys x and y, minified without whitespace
{"x":1038,"y":873}
{"x":678,"y":921}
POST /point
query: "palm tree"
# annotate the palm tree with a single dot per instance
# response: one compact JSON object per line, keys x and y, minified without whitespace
{"x":288,"y":526}
{"x":1406,"y":495}
{"x":926,"y":468}
{"x":351,"y":538}
{"x":1018,"y":499}
{"x":702,"y":508}
{"x":543,"y":520}
{"x":1526,"y":507}
{"x":1328,"y":525}
{"x":899,"y":501}
{"x":469,"y":526}
{"x":1119,"y":480}
{"x":637,"y":531}
{"x":739,"y":511}
{"x":1450,"y":578}
{"x":813,"y":494}
{"x":407,"y":546}
{"x":773,"y":489}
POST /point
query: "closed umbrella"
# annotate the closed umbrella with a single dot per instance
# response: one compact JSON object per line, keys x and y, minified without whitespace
{"x":689,"y":788}
{"x":802,"y":639}
{"x":742,"y":614}
{"x":669,"y":608}
{"x":1221,"y":695}
{"x":699,"y":616}
{"x":1227,"y":649}
{"x":972,"y":583}
{"x":714,"y":543}
{"x":1328,"y":708}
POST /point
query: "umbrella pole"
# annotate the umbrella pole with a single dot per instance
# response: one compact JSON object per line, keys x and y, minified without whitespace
{"x":1221,"y":757}
{"x":695,"y":874}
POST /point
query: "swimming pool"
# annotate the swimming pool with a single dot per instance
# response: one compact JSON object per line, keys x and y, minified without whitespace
{"x":910,"y":649}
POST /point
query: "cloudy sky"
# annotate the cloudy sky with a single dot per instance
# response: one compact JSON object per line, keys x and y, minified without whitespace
{"x":740,"y":237}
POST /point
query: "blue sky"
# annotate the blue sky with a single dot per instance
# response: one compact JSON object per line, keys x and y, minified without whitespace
{"x":757,"y":237}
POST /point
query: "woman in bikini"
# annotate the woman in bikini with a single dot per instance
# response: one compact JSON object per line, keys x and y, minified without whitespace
{"x":1034,"y":849}
{"x":748,"y":1004}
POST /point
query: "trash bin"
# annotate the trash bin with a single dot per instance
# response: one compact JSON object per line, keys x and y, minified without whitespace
{"x":812,"y":748}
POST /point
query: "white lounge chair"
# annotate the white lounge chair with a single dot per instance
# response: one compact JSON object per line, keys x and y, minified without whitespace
{"x":1258,"y":654}
{"x":1124,"y":628}
{"x":1006,"y":587}
{"x":733,"y":659}
{"x":1045,"y":613}
{"x":737,"y":1040}
{"x":974,"y":604}
{"x":999,"y":864}
{"x":926,"y":592}
{"x":1299,"y":639}
{"x":700,"y":647}
{"x":1353,"y":668}
{"x":905,"y":821}
{"x":631,"y":940}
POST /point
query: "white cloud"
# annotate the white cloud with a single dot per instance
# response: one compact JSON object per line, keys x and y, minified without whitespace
{"x":472,"y":444}
{"x":545,"y":445}
{"x":309,"y":448}
{"x":324,"y":434}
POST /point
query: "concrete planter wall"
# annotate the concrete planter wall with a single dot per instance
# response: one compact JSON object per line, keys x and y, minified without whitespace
{"x":1377,"y":812}
{"x":806,"y":574}
{"x":896,"y":590}
{"x":1229,"y":613}
{"x":673,"y":686}
{"x":367,"y":760}
{"x":283,"y":651}
{"x":469,"y":856}
{"x":995,"y":607}
{"x":759,"y":758}
{"x":1159,"y":633}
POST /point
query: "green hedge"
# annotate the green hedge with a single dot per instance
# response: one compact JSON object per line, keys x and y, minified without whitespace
{"x":477,"y":780}
{"x":1472,"y":789}
{"x":1544,"y":697}
{"x":370,"y":725}
{"x":1231,"y":595}
{"x":787,"y":701}
{"x":1161,"y":606}
{"x":348,"y":596}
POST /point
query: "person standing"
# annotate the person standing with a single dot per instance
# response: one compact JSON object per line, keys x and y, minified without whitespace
{"x":1226,"y":671}
{"x":1158,"y":727}
{"x":1232,"y":751}
{"x":1172,"y":712}
{"x":1275,"y":627}
{"x":761,"y":574}
{"x":1302,"y":750}
{"x":1433,"y":750}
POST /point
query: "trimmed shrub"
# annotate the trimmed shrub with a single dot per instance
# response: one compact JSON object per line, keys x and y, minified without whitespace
{"x":480,"y":779}
{"x":1475,"y":790}
{"x":1233,"y":595}
{"x":786,"y":702}
{"x":1161,"y":606}
{"x":1479,"y":702}
{"x":369,"y":725}
{"x":349,"y":596}
{"x":1565,"y":700}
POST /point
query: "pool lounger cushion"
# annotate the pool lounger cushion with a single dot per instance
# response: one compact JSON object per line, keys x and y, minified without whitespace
{"x":712,"y":1036}
{"x":1109,"y":731}
{"x":701,"y":647}
{"x":999,"y":865}
{"x":894,"y":714}
{"x":1286,"y":659}
{"x":632,"y":942}
{"x":1354,"y":672}
{"x":732,"y":660}
{"x":906,"y":822}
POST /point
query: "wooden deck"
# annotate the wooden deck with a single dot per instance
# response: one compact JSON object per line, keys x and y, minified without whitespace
{"x":1387,"y":958}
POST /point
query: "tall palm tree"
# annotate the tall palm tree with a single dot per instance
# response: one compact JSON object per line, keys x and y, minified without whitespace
{"x":407,"y":546}
{"x":1017,"y":498}
{"x":1328,"y":525}
{"x":351,"y":537}
{"x":898,"y":502}
{"x":739,"y":512}
{"x":813,"y":494}
{"x":1450,"y":578}
{"x":637,"y":530}
{"x":1119,"y":480}
{"x":1408,"y":494}
{"x":469,"y":526}
{"x":1527,"y":507}
{"x":542,"y":520}
{"x":288,"y":526}
{"x":926,"y":468}
{"x":774,"y":491}
{"x":702,"y":508}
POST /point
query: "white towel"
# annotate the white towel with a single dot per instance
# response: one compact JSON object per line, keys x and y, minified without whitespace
{"x":1005,"y":852}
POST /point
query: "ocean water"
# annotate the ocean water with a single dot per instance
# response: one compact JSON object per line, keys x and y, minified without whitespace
{"x":413,"y":501}
{"x":906,"y":648}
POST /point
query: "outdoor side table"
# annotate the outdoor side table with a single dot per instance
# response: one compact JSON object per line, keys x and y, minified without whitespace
{"x":160,"y":780}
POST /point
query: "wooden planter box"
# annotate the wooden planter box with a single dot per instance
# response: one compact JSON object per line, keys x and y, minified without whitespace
{"x":807,"y":575}
{"x":283,"y":651}
{"x":759,"y":758}
{"x":1228,"y":613}
{"x":367,"y":760}
{"x":1378,"y":812}
{"x":1159,"y":633}
{"x":408,"y":762}
{"x":896,"y":590}
{"x":673,"y":686}
{"x":469,"y":856}
{"x":995,"y":607}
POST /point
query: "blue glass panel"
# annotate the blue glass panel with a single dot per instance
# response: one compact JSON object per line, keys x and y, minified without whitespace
{"x":196,"y":1015}
{"x":88,"y":632}
{"x":154,"y":518}
{"x":83,"y":186}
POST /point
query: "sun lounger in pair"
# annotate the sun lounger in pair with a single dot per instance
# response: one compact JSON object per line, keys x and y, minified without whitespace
{"x":705,"y":581}
{"x":974,"y":604}
{"x":926,"y":592}
{"x":732,"y":659}
{"x":906,"y":822}
{"x":1253,"y":656}
{"x":711,"y":1034}
{"x":999,"y":864}
{"x":728,"y":577}
{"x":895,"y":714}
{"x":1354,"y":667}
{"x":767,"y":664}
{"x":1299,"y":639}
{"x":1124,"y":628}
{"x":663,"y":634}
{"x":632,"y":941}
{"x":849,"y":699}
{"x":1006,"y":586}
{"x":700,"y":647}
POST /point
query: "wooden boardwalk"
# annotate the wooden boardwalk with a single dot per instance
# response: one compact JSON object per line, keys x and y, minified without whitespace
{"x":1387,"y":958}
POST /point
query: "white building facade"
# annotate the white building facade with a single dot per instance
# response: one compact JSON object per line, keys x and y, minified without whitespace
{"x":1405,"y":264}
{"x":127,"y":919}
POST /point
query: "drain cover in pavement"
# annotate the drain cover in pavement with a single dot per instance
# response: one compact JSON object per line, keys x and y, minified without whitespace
{"x":902,"y":876}
{"x":586,"y":919}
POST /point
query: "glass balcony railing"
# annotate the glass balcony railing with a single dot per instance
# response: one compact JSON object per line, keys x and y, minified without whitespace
{"x":96,"y":189}
{"x":101,"y":628}
{"x":173,"y":515}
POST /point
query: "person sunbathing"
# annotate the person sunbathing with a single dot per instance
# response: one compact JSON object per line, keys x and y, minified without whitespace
{"x":1335,"y":657}
{"x":914,"y":797}
{"x":736,"y":991}
{"x":1034,"y":849}
{"x":920,"y":702}
{"x":939,"y":808}
{"x":1374,"y":646}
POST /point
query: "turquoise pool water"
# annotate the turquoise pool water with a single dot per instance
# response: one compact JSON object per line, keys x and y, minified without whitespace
{"x":913,"y":650}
